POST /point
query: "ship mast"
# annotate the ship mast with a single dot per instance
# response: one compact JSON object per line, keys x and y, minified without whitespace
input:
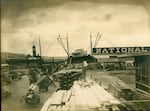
{"x":95,"y":43}
{"x":91,"y":43}
{"x":40,"y":47}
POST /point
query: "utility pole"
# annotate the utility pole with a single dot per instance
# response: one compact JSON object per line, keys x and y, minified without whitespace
{"x":69,"y":59}
{"x":40,"y":47}
{"x":68,"y":46}
{"x":91,"y":43}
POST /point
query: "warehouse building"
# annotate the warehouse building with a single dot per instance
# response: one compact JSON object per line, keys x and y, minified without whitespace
{"x":142,"y":71}
{"x":142,"y":63}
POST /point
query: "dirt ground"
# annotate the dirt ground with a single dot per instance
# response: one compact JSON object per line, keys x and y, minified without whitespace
{"x":18,"y":89}
{"x":15,"y":102}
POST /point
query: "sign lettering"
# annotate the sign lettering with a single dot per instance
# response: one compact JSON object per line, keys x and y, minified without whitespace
{"x":120,"y":50}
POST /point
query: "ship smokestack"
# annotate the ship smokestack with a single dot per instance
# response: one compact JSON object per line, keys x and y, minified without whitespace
{"x":34,"y":50}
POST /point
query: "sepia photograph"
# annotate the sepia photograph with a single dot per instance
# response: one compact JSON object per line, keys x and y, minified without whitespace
{"x":75,"y":55}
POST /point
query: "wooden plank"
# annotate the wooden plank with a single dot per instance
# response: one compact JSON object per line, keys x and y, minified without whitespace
{"x":52,"y":108}
{"x":98,"y":95}
{"x":78,"y":102}
{"x":90,"y":98}
{"x":46,"y":105}
{"x":79,"y":95}
{"x":84,"y":97}
{"x":106,"y":95}
{"x":64,"y":100}
{"x":59,"y":108}
{"x":102,"y":95}
{"x":62,"y":108}
{"x":73,"y":90}
{"x":71,"y":104}
{"x":68,"y":94}
{"x":57,"y":100}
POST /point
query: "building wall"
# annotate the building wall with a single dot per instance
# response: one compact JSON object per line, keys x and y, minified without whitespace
{"x":143,"y":73}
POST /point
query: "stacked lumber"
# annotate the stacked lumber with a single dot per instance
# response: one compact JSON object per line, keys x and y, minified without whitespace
{"x":67,"y":79}
{"x":82,"y":96}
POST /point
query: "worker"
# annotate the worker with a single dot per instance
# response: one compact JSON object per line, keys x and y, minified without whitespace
{"x":84,"y":68}
{"x":33,"y":76}
{"x":102,"y":66}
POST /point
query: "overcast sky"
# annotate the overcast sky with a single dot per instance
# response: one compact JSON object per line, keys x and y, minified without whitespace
{"x":119,"y":23}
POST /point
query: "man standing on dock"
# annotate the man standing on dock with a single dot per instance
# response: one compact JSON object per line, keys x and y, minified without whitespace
{"x":84,"y":68}
{"x":32,"y":76}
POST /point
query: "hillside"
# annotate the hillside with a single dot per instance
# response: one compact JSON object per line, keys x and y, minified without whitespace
{"x":5,"y":55}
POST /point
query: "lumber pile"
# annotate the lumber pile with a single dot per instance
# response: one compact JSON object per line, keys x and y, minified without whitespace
{"x":67,"y":78}
{"x":82,"y":96}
